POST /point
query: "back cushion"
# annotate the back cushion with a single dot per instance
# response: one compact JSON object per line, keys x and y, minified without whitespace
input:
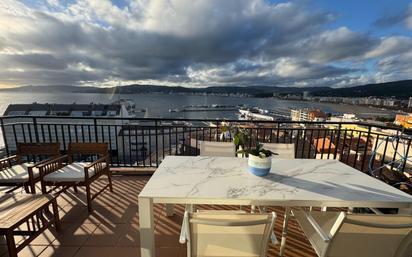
{"x":356,"y":240}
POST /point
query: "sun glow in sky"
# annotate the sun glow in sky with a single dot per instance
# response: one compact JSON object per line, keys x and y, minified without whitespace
{"x":205,"y":42}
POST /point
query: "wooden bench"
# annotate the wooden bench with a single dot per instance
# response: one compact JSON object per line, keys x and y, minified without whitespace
{"x":27,"y":215}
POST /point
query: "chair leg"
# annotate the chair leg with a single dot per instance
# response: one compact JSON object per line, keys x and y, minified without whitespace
{"x":43,"y":188}
{"x":26,"y":188}
{"x":109,"y":177}
{"x":75,"y":189}
{"x":11,"y":245}
{"x":56,"y":215}
{"x":89,"y":198}
{"x":33,"y":187}
{"x":284,"y":231}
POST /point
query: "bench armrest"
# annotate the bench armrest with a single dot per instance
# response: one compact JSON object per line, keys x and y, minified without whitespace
{"x":105,"y":158}
{"x":9,"y":158}
{"x":97,"y":165}
{"x":5,"y":162}
{"x":51,"y":165}
{"x":45,"y":161}
{"x":51,"y":160}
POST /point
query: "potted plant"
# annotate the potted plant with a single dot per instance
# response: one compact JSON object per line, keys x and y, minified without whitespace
{"x":259,"y":160}
{"x":241,"y":139}
{"x":240,"y":136}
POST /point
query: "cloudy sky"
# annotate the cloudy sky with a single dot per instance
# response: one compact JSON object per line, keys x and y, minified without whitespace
{"x":205,"y":42}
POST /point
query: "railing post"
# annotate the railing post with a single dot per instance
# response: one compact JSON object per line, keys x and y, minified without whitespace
{"x":6,"y":146}
{"x":366,"y":147}
{"x":406,"y":155}
{"x":157,"y":145}
{"x":217,"y":131}
{"x":95,"y":131}
{"x":395,"y":150}
{"x":337,"y":141}
{"x":36,"y":131}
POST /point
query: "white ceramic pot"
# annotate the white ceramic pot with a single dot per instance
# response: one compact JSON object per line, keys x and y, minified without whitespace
{"x":259,"y":166}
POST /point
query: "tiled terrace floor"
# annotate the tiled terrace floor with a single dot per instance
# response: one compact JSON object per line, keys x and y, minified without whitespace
{"x":112,"y":230}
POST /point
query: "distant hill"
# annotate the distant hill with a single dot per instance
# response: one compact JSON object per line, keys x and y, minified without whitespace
{"x":137,"y":89}
{"x":399,"y":89}
{"x":54,"y":89}
{"x":252,"y":90}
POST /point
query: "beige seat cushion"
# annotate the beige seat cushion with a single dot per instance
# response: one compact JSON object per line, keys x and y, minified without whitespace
{"x":17,"y":173}
{"x":73,"y":172}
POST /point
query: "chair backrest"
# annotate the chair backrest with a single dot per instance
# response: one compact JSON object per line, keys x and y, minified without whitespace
{"x":86,"y":149}
{"x":284,"y":151}
{"x":225,"y":149}
{"x":37,"y":149}
{"x":327,"y":156}
{"x":372,"y":236}
{"x":224,"y":234}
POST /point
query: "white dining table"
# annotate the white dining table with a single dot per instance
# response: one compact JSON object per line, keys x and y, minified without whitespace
{"x":290,"y":183}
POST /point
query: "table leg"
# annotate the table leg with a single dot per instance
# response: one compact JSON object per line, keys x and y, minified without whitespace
{"x":252,"y":208}
{"x":146,"y":221}
{"x":169,"y":209}
{"x":284,"y":231}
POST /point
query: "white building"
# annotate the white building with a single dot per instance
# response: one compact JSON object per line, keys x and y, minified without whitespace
{"x":346,"y":117}
{"x":69,"y":110}
{"x":307,"y":115}
{"x":390,"y":102}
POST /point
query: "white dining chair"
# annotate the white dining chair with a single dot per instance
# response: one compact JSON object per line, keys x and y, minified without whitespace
{"x":208,"y":148}
{"x":284,"y":151}
{"x":223,"y":233}
{"x":327,"y":156}
{"x":224,"y":149}
{"x":340,"y":234}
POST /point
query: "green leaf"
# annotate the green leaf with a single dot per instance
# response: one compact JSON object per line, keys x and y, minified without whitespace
{"x":236,"y":140}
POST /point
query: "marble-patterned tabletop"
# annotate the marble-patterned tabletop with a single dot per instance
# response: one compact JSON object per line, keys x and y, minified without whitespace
{"x":298,"y":182}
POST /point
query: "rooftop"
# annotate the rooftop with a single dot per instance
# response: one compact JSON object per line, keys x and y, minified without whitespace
{"x":113,"y":228}
{"x":36,"y":109}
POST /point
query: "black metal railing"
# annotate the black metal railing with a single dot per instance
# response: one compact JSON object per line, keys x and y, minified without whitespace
{"x":144,"y":142}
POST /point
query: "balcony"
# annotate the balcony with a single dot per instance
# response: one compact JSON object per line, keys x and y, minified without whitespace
{"x":113,"y":228}
{"x":138,"y":146}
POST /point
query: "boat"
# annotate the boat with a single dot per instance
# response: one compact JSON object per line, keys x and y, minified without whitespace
{"x":254,"y":114}
{"x":129,"y":105}
{"x":206,"y":108}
